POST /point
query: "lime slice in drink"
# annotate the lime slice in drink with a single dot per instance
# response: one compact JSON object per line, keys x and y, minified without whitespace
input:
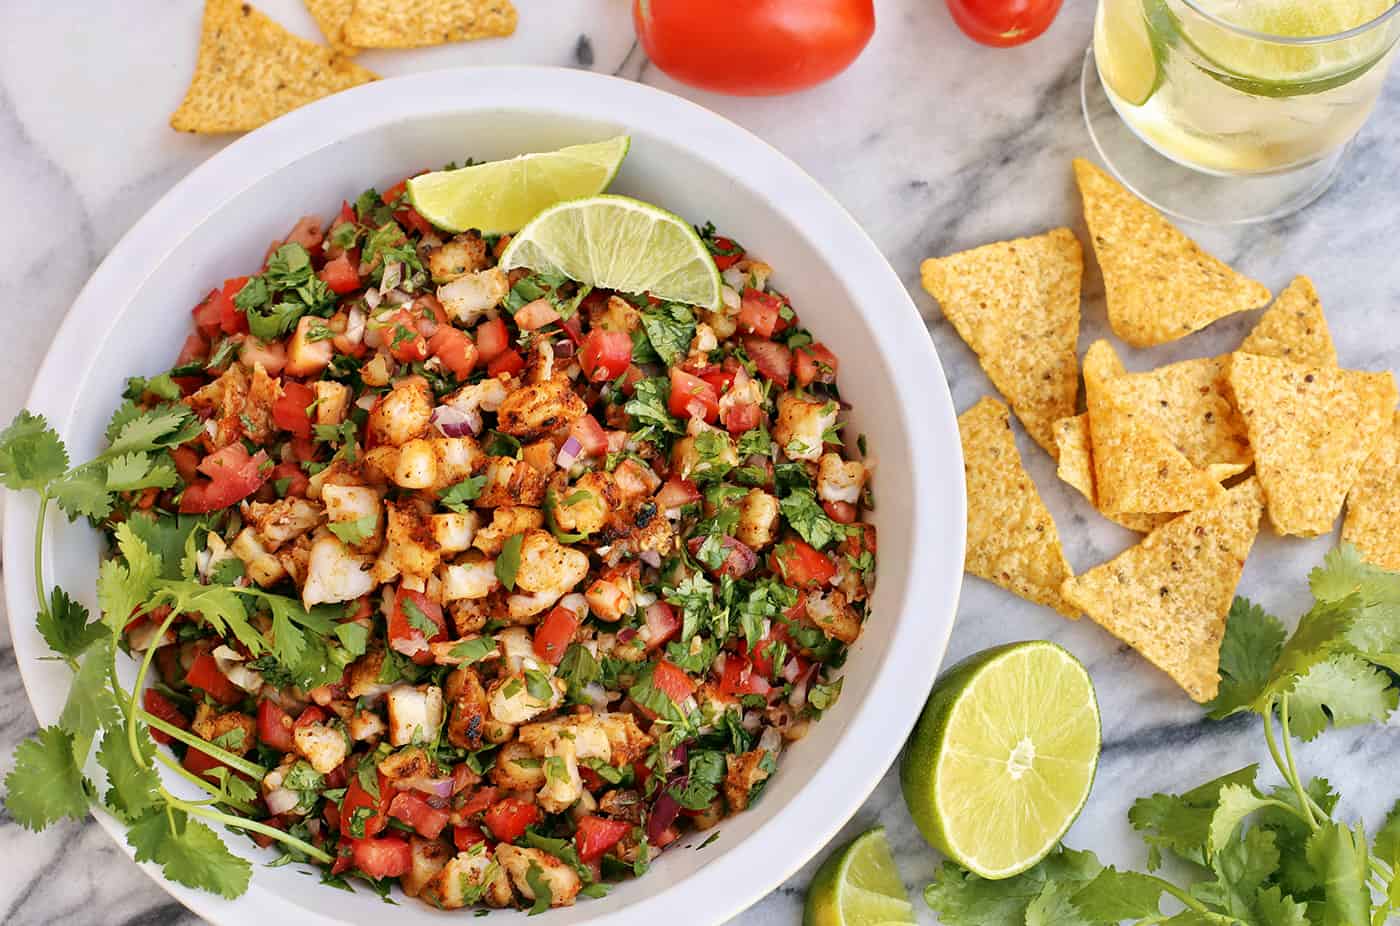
{"x":1003,"y":757}
{"x":1277,"y":69}
{"x":1128,"y":53}
{"x":501,"y":196}
{"x":858,"y":886}
{"x":620,"y":243}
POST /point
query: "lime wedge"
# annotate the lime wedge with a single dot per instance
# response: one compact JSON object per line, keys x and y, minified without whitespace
{"x":501,"y":196}
{"x":620,"y":243}
{"x":1003,"y":757}
{"x":1129,"y":56}
{"x":858,"y":886}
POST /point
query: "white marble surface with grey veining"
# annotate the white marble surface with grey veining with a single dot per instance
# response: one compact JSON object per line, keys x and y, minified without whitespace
{"x":933,"y":144}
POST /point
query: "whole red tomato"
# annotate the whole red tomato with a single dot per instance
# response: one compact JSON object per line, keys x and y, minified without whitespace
{"x":753,"y":47}
{"x":1003,"y":22}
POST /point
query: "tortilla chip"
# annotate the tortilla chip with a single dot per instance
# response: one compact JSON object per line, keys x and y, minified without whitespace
{"x":1169,"y":596}
{"x":1076,"y":467}
{"x":1158,"y":283}
{"x":1189,"y":403}
{"x":1011,"y":538}
{"x":1373,"y":507}
{"x":330,"y":16}
{"x":1312,"y":428}
{"x":250,"y":71}
{"x":396,"y":24}
{"x":1294,"y":328}
{"x":1137,"y":468}
{"x":1016,"y":303}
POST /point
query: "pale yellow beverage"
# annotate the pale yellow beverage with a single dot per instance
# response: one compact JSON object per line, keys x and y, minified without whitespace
{"x":1244,"y":86}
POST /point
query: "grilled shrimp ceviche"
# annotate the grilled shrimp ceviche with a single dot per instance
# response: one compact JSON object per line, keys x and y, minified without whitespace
{"x":531,"y":578}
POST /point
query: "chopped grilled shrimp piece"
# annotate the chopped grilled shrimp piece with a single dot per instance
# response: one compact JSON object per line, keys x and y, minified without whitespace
{"x":473,"y":295}
{"x":405,"y":413}
{"x":468,"y":708}
{"x":505,"y":521}
{"x":802,"y":423}
{"x":456,"y":459}
{"x":454,"y":531}
{"x":744,"y":391}
{"x":223,"y":402}
{"x":282,"y":520}
{"x":380,"y":464}
{"x":352,"y":503}
{"x":839,"y":480}
{"x":744,"y":772}
{"x":833,"y":616}
{"x":613,"y":594}
{"x":625,"y":739}
{"x":583,"y":508}
{"x":295,"y":557}
{"x":511,"y":701}
{"x":263,"y":393}
{"x":517,"y":768}
{"x":259,"y":563}
{"x":414,"y":712}
{"x":563,"y":882}
{"x":362,"y":680}
{"x":472,"y":577}
{"x":235,"y":667}
{"x":540,"y":408}
{"x":408,"y":763}
{"x":517,"y":649}
{"x":466,"y":873}
{"x":429,"y":856}
{"x":464,"y":254}
{"x":409,"y":543}
{"x":547,"y":566}
{"x":324,"y":746}
{"x":334,"y":573}
{"x":686,"y":459}
{"x":416,"y":467}
{"x":758,"y":519}
{"x":634,"y":481}
{"x":332,"y":401}
{"x":703,"y":343}
{"x":308,"y":355}
{"x":470,"y":615}
{"x":485,"y":396}
{"x":209,"y":724}
{"x":511,"y":482}
{"x":366,"y":726}
{"x":617,"y":314}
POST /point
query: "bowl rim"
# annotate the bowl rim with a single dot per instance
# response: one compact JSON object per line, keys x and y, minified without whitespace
{"x":920,"y":629}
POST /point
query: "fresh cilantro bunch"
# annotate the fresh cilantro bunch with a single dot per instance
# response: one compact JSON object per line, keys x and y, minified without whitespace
{"x":288,"y":288}
{"x":154,"y":569}
{"x":1261,"y":856}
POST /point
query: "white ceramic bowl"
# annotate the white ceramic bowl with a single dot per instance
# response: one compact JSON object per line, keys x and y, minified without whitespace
{"x":134,"y":313}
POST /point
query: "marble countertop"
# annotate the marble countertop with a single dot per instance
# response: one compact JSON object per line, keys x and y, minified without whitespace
{"x":934,"y":144}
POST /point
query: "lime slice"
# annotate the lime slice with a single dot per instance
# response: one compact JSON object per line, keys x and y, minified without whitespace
{"x":501,"y":196}
{"x":620,"y":243}
{"x":1003,"y":757}
{"x":1129,"y":55}
{"x":858,"y":886}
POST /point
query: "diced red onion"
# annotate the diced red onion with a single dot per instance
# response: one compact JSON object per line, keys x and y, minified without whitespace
{"x":563,"y":348}
{"x":791,"y":670}
{"x":771,"y":740}
{"x":798,"y":696}
{"x":663,"y":814}
{"x":569,"y":453}
{"x":366,"y":401}
{"x":651,"y":558}
{"x":437,"y":787}
{"x":280,"y":800}
{"x":398,"y":297}
{"x":751,"y":721}
{"x":626,"y":635}
{"x":313,"y":826}
{"x":372,"y":297}
{"x":389,"y":278}
{"x":680,"y":755}
{"x":355,"y":322}
{"x":453,"y":422}
{"x":410,"y":646}
{"x":695,"y":409}
{"x":427,"y":327}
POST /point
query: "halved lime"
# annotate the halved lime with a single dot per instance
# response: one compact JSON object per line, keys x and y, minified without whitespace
{"x":1129,"y":56}
{"x":1003,"y":757}
{"x":501,"y":196}
{"x":620,"y":243}
{"x":858,"y":885}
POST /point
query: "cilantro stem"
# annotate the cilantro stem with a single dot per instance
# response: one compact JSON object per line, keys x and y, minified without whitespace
{"x":140,"y":686}
{"x":199,"y":810}
{"x":170,"y":763}
{"x":237,"y":763}
{"x":39,"y":555}
{"x":1285,"y":767}
{"x":1181,"y":895}
{"x":1292,"y":775}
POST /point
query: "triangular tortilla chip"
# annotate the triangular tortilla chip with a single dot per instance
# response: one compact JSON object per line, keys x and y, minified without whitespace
{"x":1312,"y":428}
{"x":330,"y":16}
{"x":1169,"y":596}
{"x":1137,"y":469}
{"x":1373,"y":506}
{"x":1189,"y":403}
{"x":250,"y":71}
{"x":1011,"y":538}
{"x":1076,"y":467}
{"x":1158,"y":283}
{"x":1016,"y":303}
{"x":1294,"y":328}
{"x":397,"y":24}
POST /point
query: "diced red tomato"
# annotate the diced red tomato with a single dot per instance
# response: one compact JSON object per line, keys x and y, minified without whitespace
{"x":840,"y":512}
{"x":492,"y":339}
{"x":231,"y":318}
{"x":297,"y":480}
{"x":677,"y":493}
{"x":233,"y":476}
{"x":741,"y":417}
{"x":201,"y":763}
{"x":464,"y":837}
{"x":428,"y":821}
{"x":738,"y":561}
{"x":631,"y":377}
{"x":411,"y":219}
{"x":395,"y":192}
{"x":310,"y":716}
{"x":508,"y":819}
{"x":739,"y":678}
{"x":186,"y":462}
{"x":206,"y":314}
{"x":758,"y":312}
{"x":194,"y":348}
{"x":814,"y":363}
{"x":720,"y":380}
{"x":605,"y":355}
{"x":731,"y":252}
{"x":356,"y":797}
{"x":204,"y":674}
{"x":590,"y":435}
{"x":455,"y":349}
{"x":692,"y":397}
{"x":800,"y":564}
{"x":480,"y":799}
{"x":509,"y":363}
{"x":573,"y":328}
{"x":401,"y":335}
{"x":384,"y":857}
{"x":671,"y":680}
{"x":774,"y":360}
{"x":596,"y":835}
{"x":303,"y":449}
{"x":408,"y":639}
{"x":764,"y":650}
{"x":341,"y":275}
{"x":309,"y":233}
{"x":161,"y":706}
{"x":274,"y":726}
{"x":289,"y":412}
{"x":662,"y":625}
{"x":554,"y":633}
{"x":536,"y":314}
